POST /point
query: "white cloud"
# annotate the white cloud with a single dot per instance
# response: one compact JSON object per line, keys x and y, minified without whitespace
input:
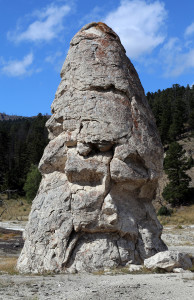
{"x":184,"y":62}
{"x":16,"y":68}
{"x":52,"y":58}
{"x":176,"y":58}
{"x":47,"y":26}
{"x":170,"y":50}
{"x":139,"y":24}
{"x":56,"y":59}
{"x":189,"y":30}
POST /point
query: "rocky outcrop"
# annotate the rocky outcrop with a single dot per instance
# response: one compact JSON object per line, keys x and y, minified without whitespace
{"x":100,"y":169}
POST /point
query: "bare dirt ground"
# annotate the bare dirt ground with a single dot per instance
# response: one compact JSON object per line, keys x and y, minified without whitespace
{"x":88,"y":286}
{"x":179,"y":238}
{"x":101,"y":287}
{"x":12,"y":245}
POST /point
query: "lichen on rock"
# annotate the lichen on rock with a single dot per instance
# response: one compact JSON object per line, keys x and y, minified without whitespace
{"x":100,"y":169}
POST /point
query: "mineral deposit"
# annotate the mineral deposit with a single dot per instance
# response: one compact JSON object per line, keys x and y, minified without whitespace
{"x":101,"y":167}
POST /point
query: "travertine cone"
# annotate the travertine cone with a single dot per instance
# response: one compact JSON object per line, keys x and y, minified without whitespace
{"x":100,"y":168}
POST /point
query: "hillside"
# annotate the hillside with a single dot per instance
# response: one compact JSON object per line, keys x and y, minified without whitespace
{"x":4,"y":117}
{"x":188,"y":146}
{"x":173,"y":109}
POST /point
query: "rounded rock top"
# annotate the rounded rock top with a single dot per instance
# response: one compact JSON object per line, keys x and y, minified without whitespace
{"x":93,"y":30}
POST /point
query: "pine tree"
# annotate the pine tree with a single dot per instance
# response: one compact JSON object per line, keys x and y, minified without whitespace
{"x":177,"y":125}
{"x":175,"y":165}
{"x":165,"y":121}
{"x":191,"y":120}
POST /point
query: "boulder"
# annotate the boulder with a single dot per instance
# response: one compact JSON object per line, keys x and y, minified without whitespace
{"x":100,"y":169}
{"x":169,"y":261}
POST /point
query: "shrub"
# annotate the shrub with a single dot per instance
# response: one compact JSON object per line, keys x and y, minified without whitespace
{"x":32,"y":182}
{"x":164,"y":211}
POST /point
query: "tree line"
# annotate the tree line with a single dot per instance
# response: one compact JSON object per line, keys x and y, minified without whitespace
{"x":173,"y":109}
{"x":22,"y":142}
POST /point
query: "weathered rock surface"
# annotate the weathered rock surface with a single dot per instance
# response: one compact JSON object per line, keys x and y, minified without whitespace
{"x":101,"y":167}
{"x":169,"y":260}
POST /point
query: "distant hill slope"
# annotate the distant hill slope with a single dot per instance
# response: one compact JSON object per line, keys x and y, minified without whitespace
{"x":4,"y":117}
{"x":188,"y":146}
{"x":173,"y":109}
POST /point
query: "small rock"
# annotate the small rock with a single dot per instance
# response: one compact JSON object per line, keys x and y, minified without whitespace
{"x":168,"y":260}
{"x":180,"y":270}
{"x":133,"y":268}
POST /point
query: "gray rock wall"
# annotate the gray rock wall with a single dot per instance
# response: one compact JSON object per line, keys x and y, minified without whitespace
{"x":101,"y":167}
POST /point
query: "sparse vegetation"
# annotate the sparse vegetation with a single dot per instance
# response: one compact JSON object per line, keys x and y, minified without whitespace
{"x":7,"y":236}
{"x":14,"y":209}
{"x":126,"y":270}
{"x":8,"y":265}
{"x":180,"y":216}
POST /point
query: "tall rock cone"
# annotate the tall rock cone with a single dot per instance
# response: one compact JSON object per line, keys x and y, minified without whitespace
{"x":100,"y":169}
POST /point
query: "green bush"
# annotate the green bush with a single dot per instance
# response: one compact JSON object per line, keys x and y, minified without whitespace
{"x":164,"y":211}
{"x":32,"y":182}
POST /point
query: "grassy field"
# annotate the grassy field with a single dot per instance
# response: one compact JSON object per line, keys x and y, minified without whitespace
{"x":14,"y":209}
{"x":180,"y":216}
{"x":8,"y":265}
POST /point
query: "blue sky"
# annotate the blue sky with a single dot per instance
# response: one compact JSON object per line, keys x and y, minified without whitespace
{"x":35,"y":35}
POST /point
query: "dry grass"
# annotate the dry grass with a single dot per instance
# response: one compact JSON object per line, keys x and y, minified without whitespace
{"x":125,"y":270}
{"x":14,"y":209}
{"x":8,"y":265}
{"x":182,"y":216}
{"x":8,"y":236}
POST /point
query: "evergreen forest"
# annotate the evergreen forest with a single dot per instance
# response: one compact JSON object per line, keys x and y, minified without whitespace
{"x":23,"y":139}
{"x":173,"y":109}
{"x":22,"y":142}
